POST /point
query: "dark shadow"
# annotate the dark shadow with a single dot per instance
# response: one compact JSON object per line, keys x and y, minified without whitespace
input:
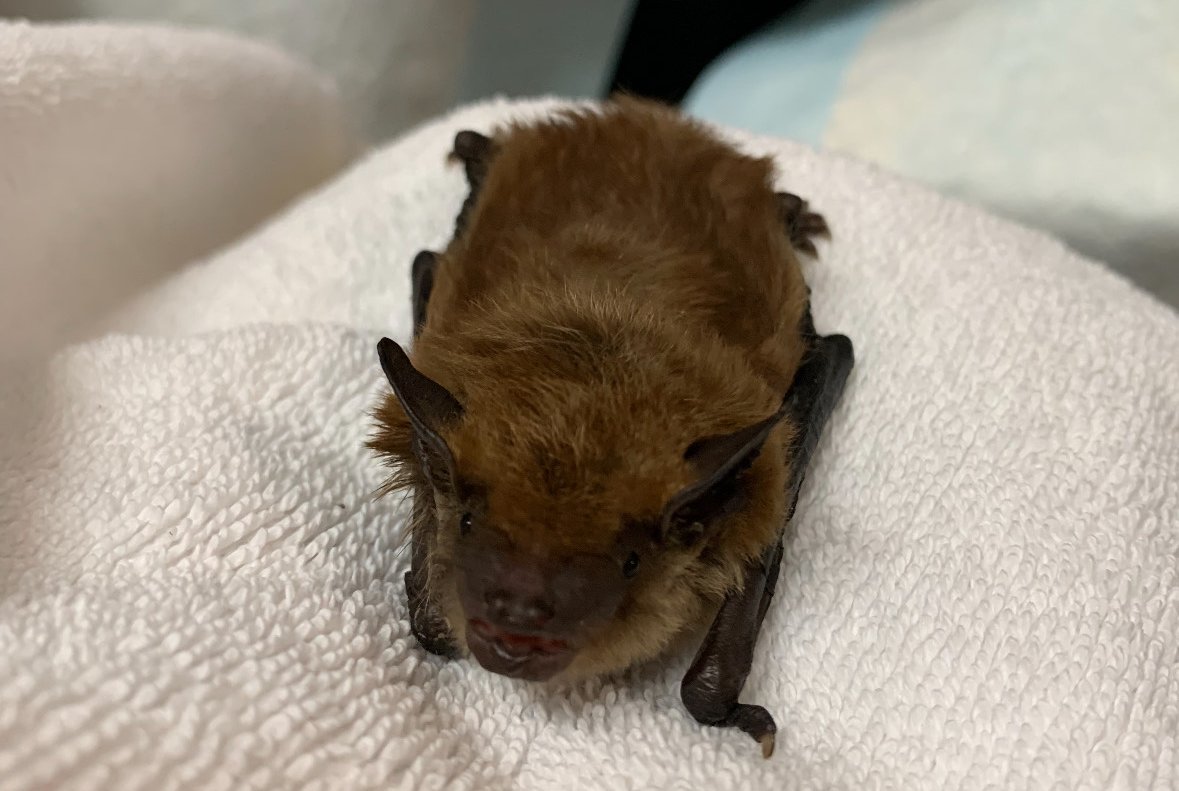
{"x":669,"y":44}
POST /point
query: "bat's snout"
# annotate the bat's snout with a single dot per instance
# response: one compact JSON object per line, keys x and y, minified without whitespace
{"x":527,"y":616}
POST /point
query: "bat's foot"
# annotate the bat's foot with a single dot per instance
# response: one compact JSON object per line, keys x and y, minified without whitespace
{"x":702,"y":703}
{"x":426,"y":623}
{"x":474,"y":151}
{"x":755,"y":721}
{"x":425,"y":264}
{"x":425,"y":261}
{"x":470,"y":146}
{"x":802,"y":225}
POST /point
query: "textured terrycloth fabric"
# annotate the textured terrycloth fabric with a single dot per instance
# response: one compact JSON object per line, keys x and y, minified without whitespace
{"x":197,"y":590}
{"x":130,"y":150}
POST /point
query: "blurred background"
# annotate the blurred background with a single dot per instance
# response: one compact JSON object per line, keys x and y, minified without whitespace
{"x":1061,"y":114}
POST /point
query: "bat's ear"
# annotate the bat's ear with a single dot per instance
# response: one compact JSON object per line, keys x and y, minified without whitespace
{"x":719,"y":461}
{"x":429,"y":406}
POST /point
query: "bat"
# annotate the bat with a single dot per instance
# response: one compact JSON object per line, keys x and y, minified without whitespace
{"x":615,"y":389}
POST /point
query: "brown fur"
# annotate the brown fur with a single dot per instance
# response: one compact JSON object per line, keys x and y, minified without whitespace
{"x":624,"y":286}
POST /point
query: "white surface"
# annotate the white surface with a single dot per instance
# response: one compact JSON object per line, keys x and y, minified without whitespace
{"x":196,"y":590}
{"x":1062,"y":114}
{"x":395,"y":62}
{"x":128,"y":151}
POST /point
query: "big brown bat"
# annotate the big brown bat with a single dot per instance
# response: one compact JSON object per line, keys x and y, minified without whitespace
{"x":615,"y":389}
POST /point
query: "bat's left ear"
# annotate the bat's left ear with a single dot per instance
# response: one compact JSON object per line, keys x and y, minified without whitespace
{"x":719,"y":460}
{"x":429,"y":406}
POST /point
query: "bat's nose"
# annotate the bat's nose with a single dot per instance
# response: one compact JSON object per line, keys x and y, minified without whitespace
{"x":519,"y":607}
{"x":514,"y":592}
{"x":524,"y":597}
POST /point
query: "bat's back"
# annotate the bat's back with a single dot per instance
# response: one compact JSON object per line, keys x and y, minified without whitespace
{"x":637,"y":206}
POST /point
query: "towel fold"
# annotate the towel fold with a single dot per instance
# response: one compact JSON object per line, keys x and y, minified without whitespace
{"x":130,"y":150}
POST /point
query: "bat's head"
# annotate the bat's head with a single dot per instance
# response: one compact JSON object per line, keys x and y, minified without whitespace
{"x":581,"y":521}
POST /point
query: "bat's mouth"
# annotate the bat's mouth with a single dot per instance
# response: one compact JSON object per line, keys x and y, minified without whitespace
{"x":532,"y":657}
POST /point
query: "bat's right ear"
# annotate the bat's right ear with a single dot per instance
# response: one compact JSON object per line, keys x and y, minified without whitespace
{"x":429,"y":406}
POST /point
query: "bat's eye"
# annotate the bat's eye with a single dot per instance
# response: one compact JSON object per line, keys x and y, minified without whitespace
{"x":464,"y":524}
{"x":631,"y":566}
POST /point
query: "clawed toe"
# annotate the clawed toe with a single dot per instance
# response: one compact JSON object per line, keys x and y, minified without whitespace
{"x":802,"y":224}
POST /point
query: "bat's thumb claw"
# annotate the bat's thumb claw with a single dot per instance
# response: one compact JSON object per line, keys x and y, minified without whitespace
{"x":767,"y":745}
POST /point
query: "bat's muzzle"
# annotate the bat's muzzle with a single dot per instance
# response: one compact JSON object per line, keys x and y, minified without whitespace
{"x":528,"y":616}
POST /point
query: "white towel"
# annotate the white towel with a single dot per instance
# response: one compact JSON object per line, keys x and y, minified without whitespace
{"x":129,"y":150}
{"x":196,"y":590}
